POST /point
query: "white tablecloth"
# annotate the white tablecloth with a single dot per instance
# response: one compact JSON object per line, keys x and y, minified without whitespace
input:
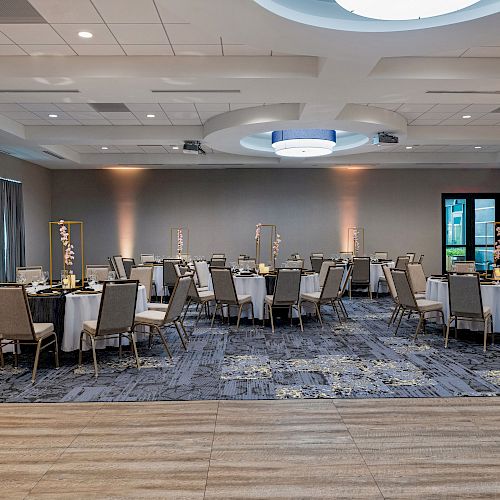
{"x":80,"y":308}
{"x":158,"y":280}
{"x":256,"y":287}
{"x":438,"y":290}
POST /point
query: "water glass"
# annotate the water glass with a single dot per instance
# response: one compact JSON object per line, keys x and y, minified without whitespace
{"x":111,"y":275}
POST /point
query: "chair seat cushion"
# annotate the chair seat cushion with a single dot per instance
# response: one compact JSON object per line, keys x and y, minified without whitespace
{"x":202,"y":289}
{"x":429,"y":305}
{"x":420,"y":296}
{"x":269,"y":299}
{"x":312,"y":296}
{"x":90,"y":326}
{"x":150,"y":317}
{"x":244,"y":299}
{"x":156,"y":306}
{"x":43,"y":329}
{"x":206,"y":295}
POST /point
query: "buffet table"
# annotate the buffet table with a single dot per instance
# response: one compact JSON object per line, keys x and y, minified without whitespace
{"x":437,"y":289}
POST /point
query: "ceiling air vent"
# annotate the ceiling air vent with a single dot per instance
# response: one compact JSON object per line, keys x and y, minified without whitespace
{"x":55,"y":155}
{"x":110,"y":107}
{"x":19,"y":12}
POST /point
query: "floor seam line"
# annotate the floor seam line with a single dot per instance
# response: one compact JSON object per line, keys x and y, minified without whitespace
{"x":211,"y":449}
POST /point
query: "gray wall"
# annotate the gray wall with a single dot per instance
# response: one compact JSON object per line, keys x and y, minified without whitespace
{"x":37,"y":205}
{"x":130,"y":212}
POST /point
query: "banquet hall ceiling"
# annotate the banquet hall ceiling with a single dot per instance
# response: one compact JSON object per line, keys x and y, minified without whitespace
{"x":219,"y":71}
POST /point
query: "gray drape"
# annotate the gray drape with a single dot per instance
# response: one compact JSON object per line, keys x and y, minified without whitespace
{"x":11,"y":229}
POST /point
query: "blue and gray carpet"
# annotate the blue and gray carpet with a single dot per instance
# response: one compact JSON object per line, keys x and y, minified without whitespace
{"x":359,"y":359}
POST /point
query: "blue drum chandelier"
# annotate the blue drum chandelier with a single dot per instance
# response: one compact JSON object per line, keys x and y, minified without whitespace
{"x":303,"y":143}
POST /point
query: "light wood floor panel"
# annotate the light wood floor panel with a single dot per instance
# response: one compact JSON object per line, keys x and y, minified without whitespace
{"x":393,"y":448}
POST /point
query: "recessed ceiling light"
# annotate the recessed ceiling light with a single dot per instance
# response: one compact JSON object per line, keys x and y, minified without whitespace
{"x":409,"y":147}
{"x":175,"y":147}
{"x":466,"y":116}
{"x":85,"y":34}
{"x":150,"y":116}
{"x":104,"y":147}
{"x":52,"y":115}
{"x":478,"y":147}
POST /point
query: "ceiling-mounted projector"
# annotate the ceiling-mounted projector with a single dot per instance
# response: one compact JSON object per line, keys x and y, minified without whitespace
{"x":193,"y":148}
{"x":385,"y":138}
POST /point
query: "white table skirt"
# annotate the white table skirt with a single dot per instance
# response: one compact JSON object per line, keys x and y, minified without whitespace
{"x":158,"y":279}
{"x":256,"y":287}
{"x":438,"y":290}
{"x":80,"y":308}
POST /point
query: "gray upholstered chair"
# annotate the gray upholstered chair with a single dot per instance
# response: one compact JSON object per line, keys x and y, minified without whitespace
{"x":318,"y":254}
{"x":316,"y":262}
{"x":401,"y":262}
{"x":381,"y":255}
{"x":128,"y":264}
{"x":360,"y":276}
{"x":17,"y":327}
{"x":116,"y":318}
{"x":218,"y":262}
{"x":147,"y":258}
{"x":466,"y":303}
{"x":218,"y":256}
{"x":170,"y":275}
{"x":346,"y":255}
{"x":417,"y":278}
{"x":411,"y":256}
{"x":329,"y":294}
{"x":286,"y":294}
{"x":464,"y":266}
{"x":409,"y":303}
{"x":119,"y":268}
{"x":157,"y":320}
{"x":294,"y":264}
{"x":202,"y":274}
{"x":201,"y":298}
{"x":323,"y":271}
{"x":100,"y":272}
{"x":226,"y":296}
{"x":144,"y":274}
{"x":29,"y":274}
{"x":421,"y":258}
{"x":343,"y":288}
{"x":392,"y":290}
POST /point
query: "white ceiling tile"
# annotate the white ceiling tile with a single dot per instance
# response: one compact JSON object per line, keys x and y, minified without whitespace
{"x":41,"y":106}
{"x":135,"y":121}
{"x":37,"y":121}
{"x":198,"y":50}
{"x":94,"y":122}
{"x":432,"y":115}
{"x":243,"y":105}
{"x":393,"y":106}
{"x":20,"y":115}
{"x":30,"y":34}
{"x":413,"y":108}
{"x":48,"y":50}
{"x":481,"y":108}
{"x":244,"y":50}
{"x":7,"y":106}
{"x":130,"y":149}
{"x":61,"y":115}
{"x":127,"y":11}
{"x":145,"y":107}
{"x":168,"y":12}
{"x":212,"y":106}
{"x":85,"y":115}
{"x":11,"y":50}
{"x":64,"y":122}
{"x":139,"y":34}
{"x":153,"y":149}
{"x":189,"y":34}
{"x":67,"y":11}
{"x":156,"y":121}
{"x":116,"y":115}
{"x":482,"y":52}
{"x":425,"y":122}
{"x":448,"y":108}
{"x":98,"y":50}
{"x":148,"y":50}
{"x":160,"y":116}
{"x":4,"y":40}
{"x":456,"y":121}
{"x":182,"y":115}
{"x":177,"y":106}
{"x":74,"y":106}
{"x":205,"y":115}
{"x":69,"y":32}
{"x":411,"y":116}
{"x":83,"y":148}
{"x":186,"y":122}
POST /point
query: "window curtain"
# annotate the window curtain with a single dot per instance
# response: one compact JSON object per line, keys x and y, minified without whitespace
{"x":11,"y":229}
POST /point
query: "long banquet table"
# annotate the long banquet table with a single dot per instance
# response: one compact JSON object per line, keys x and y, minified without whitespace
{"x":437,"y":289}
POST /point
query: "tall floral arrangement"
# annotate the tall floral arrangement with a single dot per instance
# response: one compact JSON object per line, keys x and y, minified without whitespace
{"x":258,"y":229}
{"x":276,"y":245}
{"x":69,"y":254}
{"x":180,"y":241}
{"x":356,"y":235}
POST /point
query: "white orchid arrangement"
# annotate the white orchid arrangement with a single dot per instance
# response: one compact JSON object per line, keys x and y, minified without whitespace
{"x":276,"y":245}
{"x":180,"y":241}
{"x":355,"y":235}
{"x":69,"y":254}
{"x":258,"y":229}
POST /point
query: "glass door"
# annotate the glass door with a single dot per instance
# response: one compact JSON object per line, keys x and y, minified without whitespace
{"x":484,"y":233}
{"x":455,"y":211}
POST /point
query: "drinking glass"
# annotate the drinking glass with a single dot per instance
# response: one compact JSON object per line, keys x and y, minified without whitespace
{"x":45,"y":277}
{"x":111,"y":275}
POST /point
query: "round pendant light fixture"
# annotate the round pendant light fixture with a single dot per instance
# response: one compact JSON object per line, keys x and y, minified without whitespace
{"x":403,"y":10}
{"x":303,"y":143}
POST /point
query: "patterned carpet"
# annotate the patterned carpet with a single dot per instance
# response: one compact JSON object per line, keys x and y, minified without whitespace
{"x":358,"y":359}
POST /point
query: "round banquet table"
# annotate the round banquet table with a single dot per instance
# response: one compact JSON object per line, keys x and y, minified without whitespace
{"x":256,"y":287}
{"x":85,"y":307}
{"x":437,"y":289}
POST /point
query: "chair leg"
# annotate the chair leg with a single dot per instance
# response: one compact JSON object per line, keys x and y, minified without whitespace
{"x":134,"y":347}
{"x":240,"y":307}
{"x":300,"y":319}
{"x":253,"y":314}
{"x":443,"y":322}
{"x":2,"y":364}
{"x":198,"y":317}
{"x":213,"y":316}
{"x":180,"y":335}
{"x":448,"y":326}
{"x":343,"y":308}
{"x":164,"y":341}
{"x":94,"y":355}
{"x":271,"y":316}
{"x":335,"y":308}
{"x":80,"y":351}
{"x":395,"y":310}
{"x":35,"y":364}
{"x":186,"y":310}
{"x":318,"y":312}
{"x":186,"y":335}
{"x":370,"y":291}
{"x":56,"y":351}
{"x":420,"y":321}
{"x":399,"y":322}
{"x":119,"y":345}
{"x":485,"y":334}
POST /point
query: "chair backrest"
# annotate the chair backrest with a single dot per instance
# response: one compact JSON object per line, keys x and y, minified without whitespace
{"x":128,"y":263}
{"x":117,"y":309}
{"x":416,"y":274}
{"x":224,"y":289}
{"x":402,"y":262}
{"x":346,"y":255}
{"x":325,"y":265}
{"x":202,"y":271}
{"x":390,"y":282}
{"x":287,"y":287}
{"x":464,"y":292}
{"x":345,"y":279}
{"x":361,"y":270}
{"x":421,"y":259}
{"x":143,"y":274}
{"x":411,"y":256}
{"x":294,"y":256}
{"x":219,"y":256}
{"x":316,"y":262}
{"x":119,"y":267}
{"x":381,"y":255}
{"x":464,"y":266}
{"x":250,"y":263}
{"x":243,"y":256}
{"x":99,"y":271}
{"x":16,"y":322}
{"x":169,"y":272}
{"x":147,"y":258}
{"x":30,"y":273}
{"x":318,"y":254}
{"x":332,"y":283}
{"x":180,"y":270}
{"x":404,"y":292}
{"x":294,"y":264}
{"x":178,"y":298}
{"x":219,"y":262}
